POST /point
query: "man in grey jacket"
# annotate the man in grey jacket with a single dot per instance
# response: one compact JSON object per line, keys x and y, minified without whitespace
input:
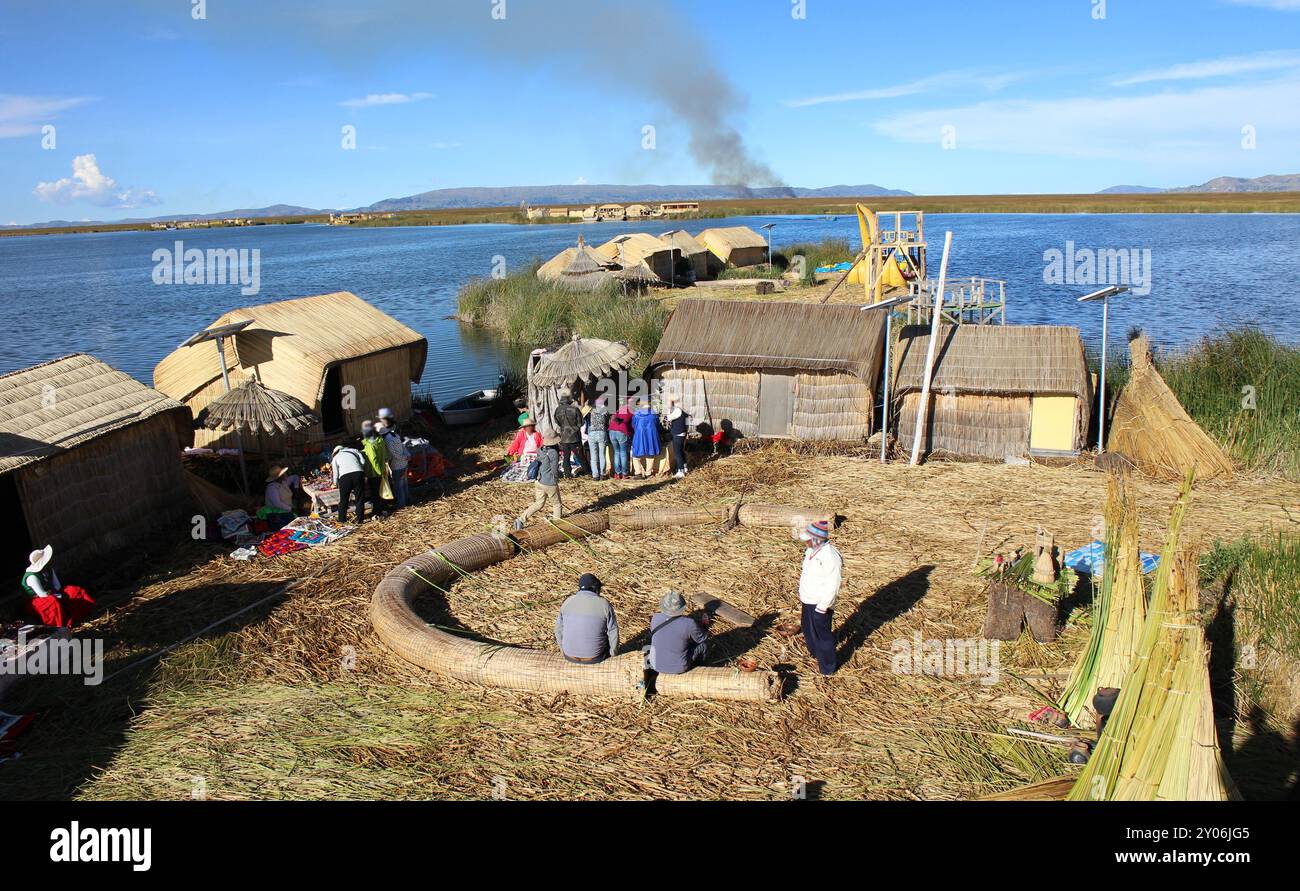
{"x":547,"y":487}
{"x":586,"y":629}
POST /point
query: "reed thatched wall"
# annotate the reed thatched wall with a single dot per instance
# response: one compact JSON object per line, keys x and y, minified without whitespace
{"x":969,"y":425}
{"x":831,"y":407}
{"x":380,"y":380}
{"x":714,"y":395}
{"x":108,"y":494}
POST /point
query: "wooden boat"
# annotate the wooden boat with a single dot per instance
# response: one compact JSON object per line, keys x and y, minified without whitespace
{"x":472,"y":408}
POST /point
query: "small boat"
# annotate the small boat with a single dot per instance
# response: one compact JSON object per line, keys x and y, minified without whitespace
{"x":472,"y":408}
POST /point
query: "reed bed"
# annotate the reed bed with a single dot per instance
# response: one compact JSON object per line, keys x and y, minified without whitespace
{"x":279,"y":702}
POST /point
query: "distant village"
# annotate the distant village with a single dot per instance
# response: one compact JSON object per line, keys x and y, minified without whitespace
{"x":612,"y":212}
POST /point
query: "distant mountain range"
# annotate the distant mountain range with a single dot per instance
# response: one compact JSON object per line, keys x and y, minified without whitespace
{"x":506,"y":196}
{"x":585,"y":194}
{"x":1286,"y":182}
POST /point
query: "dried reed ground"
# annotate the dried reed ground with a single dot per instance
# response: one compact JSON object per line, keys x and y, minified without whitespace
{"x":302,"y":701}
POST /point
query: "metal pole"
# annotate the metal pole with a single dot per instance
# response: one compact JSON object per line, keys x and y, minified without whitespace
{"x":1105,"y":332}
{"x":239,"y":439}
{"x":884,"y":408}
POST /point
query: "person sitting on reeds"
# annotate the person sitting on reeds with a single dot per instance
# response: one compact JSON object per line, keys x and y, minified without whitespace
{"x":547,"y":487}
{"x":586,"y":629}
{"x":279,"y":496}
{"x":678,"y":641}
{"x":50,"y":601}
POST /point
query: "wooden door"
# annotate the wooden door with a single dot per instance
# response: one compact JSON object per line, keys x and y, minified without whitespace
{"x":775,"y":404}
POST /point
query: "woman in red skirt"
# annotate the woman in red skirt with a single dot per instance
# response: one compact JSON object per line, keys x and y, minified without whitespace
{"x":53,"y":603}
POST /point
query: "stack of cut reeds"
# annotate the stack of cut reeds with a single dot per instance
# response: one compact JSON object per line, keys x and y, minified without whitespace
{"x":1153,"y":429}
{"x":1119,"y":605}
{"x":1160,"y":742}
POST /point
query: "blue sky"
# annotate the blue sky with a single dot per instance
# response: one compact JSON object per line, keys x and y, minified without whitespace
{"x":158,"y":112}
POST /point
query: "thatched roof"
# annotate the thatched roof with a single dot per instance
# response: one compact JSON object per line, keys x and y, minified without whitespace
{"x":47,"y":409}
{"x":573,"y":262}
{"x":725,"y":240}
{"x":582,"y":358}
{"x":684,"y":242}
{"x":291,"y":343}
{"x":754,"y":334}
{"x":253,"y":408}
{"x":631,"y":249}
{"x":997,"y":359}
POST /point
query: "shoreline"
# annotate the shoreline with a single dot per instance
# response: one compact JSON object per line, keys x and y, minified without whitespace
{"x":1272,"y":203}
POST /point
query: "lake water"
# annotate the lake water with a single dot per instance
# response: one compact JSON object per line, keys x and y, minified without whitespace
{"x":95,"y":292}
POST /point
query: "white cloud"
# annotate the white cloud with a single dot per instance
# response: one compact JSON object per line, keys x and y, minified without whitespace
{"x":1280,"y":5}
{"x":580,"y":181}
{"x":1225,"y":66}
{"x":1204,"y":124}
{"x":24,"y":115}
{"x":89,"y":183}
{"x":441,"y":146}
{"x":371,"y":99}
{"x":989,"y":82}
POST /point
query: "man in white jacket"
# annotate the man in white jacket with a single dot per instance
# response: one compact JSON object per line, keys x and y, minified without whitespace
{"x":819,"y":585}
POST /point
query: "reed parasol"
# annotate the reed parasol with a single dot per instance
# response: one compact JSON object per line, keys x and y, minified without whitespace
{"x":583,"y":358}
{"x":255,"y":408}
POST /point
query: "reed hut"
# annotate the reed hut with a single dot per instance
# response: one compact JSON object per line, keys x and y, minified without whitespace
{"x":998,"y":391}
{"x":577,"y":267}
{"x":90,"y":462}
{"x":690,"y":257}
{"x":639,"y":249}
{"x":765,"y":368}
{"x":340,"y":356}
{"x":735,"y":245}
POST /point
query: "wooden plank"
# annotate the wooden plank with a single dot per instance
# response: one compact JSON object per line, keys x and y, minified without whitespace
{"x":716,"y":606}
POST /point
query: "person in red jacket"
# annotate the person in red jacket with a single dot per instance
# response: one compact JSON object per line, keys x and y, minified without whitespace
{"x":620,"y":439}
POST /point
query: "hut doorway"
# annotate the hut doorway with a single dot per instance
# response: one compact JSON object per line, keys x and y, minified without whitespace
{"x":775,"y":404}
{"x":331,"y":401}
{"x":15,"y":538}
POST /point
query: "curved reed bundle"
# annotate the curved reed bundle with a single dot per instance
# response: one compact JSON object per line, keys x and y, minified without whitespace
{"x":778,"y":515}
{"x":653,"y":517}
{"x":398,"y":625}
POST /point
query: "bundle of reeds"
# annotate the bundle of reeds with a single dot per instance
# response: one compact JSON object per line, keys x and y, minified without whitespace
{"x":1160,"y":742}
{"x":1119,"y":606}
{"x":1152,"y":428}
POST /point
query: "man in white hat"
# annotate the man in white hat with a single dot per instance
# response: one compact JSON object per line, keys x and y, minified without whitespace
{"x":51,"y":602}
{"x":349,"y":468}
{"x":819,"y":585}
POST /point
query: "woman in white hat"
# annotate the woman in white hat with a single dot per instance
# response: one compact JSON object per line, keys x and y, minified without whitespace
{"x":279,"y":497}
{"x":52,"y":603}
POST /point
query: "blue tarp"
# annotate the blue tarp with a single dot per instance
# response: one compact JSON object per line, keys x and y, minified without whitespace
{"x":838,"y":267}
{"x":1091,"y":559}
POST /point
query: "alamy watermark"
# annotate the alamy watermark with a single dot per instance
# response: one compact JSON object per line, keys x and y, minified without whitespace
{"x":180,"y":265}
{"x":57,"y":656}
{"x":949,"y":658}
{"x":1099,"y":267}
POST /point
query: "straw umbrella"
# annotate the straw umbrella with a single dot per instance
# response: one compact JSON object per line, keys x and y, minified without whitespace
{"x":254,"y":408}
{"x":581,"y":359}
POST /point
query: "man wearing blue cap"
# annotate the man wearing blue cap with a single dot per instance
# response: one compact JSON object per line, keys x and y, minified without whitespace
{"x":586,"y":629}
{"x":819,"y":585}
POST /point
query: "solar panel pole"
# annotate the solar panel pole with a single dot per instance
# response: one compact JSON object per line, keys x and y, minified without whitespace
{"x":921,"y":404}
{"x":1104,"y":296}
